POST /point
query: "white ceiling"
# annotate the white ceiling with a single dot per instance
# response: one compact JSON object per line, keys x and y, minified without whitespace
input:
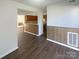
{"x":44,"y":3}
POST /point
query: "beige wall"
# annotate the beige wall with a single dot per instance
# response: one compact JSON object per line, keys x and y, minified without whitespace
{"x":60,"y":20}
{"x":63,"y":16}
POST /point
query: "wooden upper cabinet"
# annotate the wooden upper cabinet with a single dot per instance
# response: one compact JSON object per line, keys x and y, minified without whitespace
{"x":31,"y":18}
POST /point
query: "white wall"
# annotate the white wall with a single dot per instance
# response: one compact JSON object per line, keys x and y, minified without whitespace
{"x":8,"y":25}
{"x":63,"y":16}
{"x":20,"y":19}
{"x":40,"y":23}
{"x":8,"y":32}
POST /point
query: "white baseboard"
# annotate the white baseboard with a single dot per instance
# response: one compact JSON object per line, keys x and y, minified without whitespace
{"x":33,"y":33}
{"x":8,"y":52}
{"x":77,"y":49}
{"x":40,"y":34}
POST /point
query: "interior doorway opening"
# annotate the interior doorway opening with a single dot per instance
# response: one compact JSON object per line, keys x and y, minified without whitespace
{"x":45,"y":25}
{"x":27,"y":21}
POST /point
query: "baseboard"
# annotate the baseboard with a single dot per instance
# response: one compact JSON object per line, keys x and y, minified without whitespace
{"x":8,"y":52}
{"x":63,"y":45}
{"x":40,"y":34}
{"x":33,"y":33}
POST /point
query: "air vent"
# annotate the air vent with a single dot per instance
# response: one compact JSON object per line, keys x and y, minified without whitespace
{"x":72,"y":39}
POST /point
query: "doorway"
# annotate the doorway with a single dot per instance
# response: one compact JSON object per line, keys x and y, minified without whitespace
{"x":27,"y":21}
{"x":45,"y":25}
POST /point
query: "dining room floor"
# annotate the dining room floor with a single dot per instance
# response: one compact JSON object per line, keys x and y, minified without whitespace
{"x":34,"y":47}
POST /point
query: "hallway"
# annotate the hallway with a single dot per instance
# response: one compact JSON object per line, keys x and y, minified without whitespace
{"x":32,"y":47}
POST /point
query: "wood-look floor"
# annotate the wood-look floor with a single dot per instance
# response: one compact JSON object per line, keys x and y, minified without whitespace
{"x":32,"y":47}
